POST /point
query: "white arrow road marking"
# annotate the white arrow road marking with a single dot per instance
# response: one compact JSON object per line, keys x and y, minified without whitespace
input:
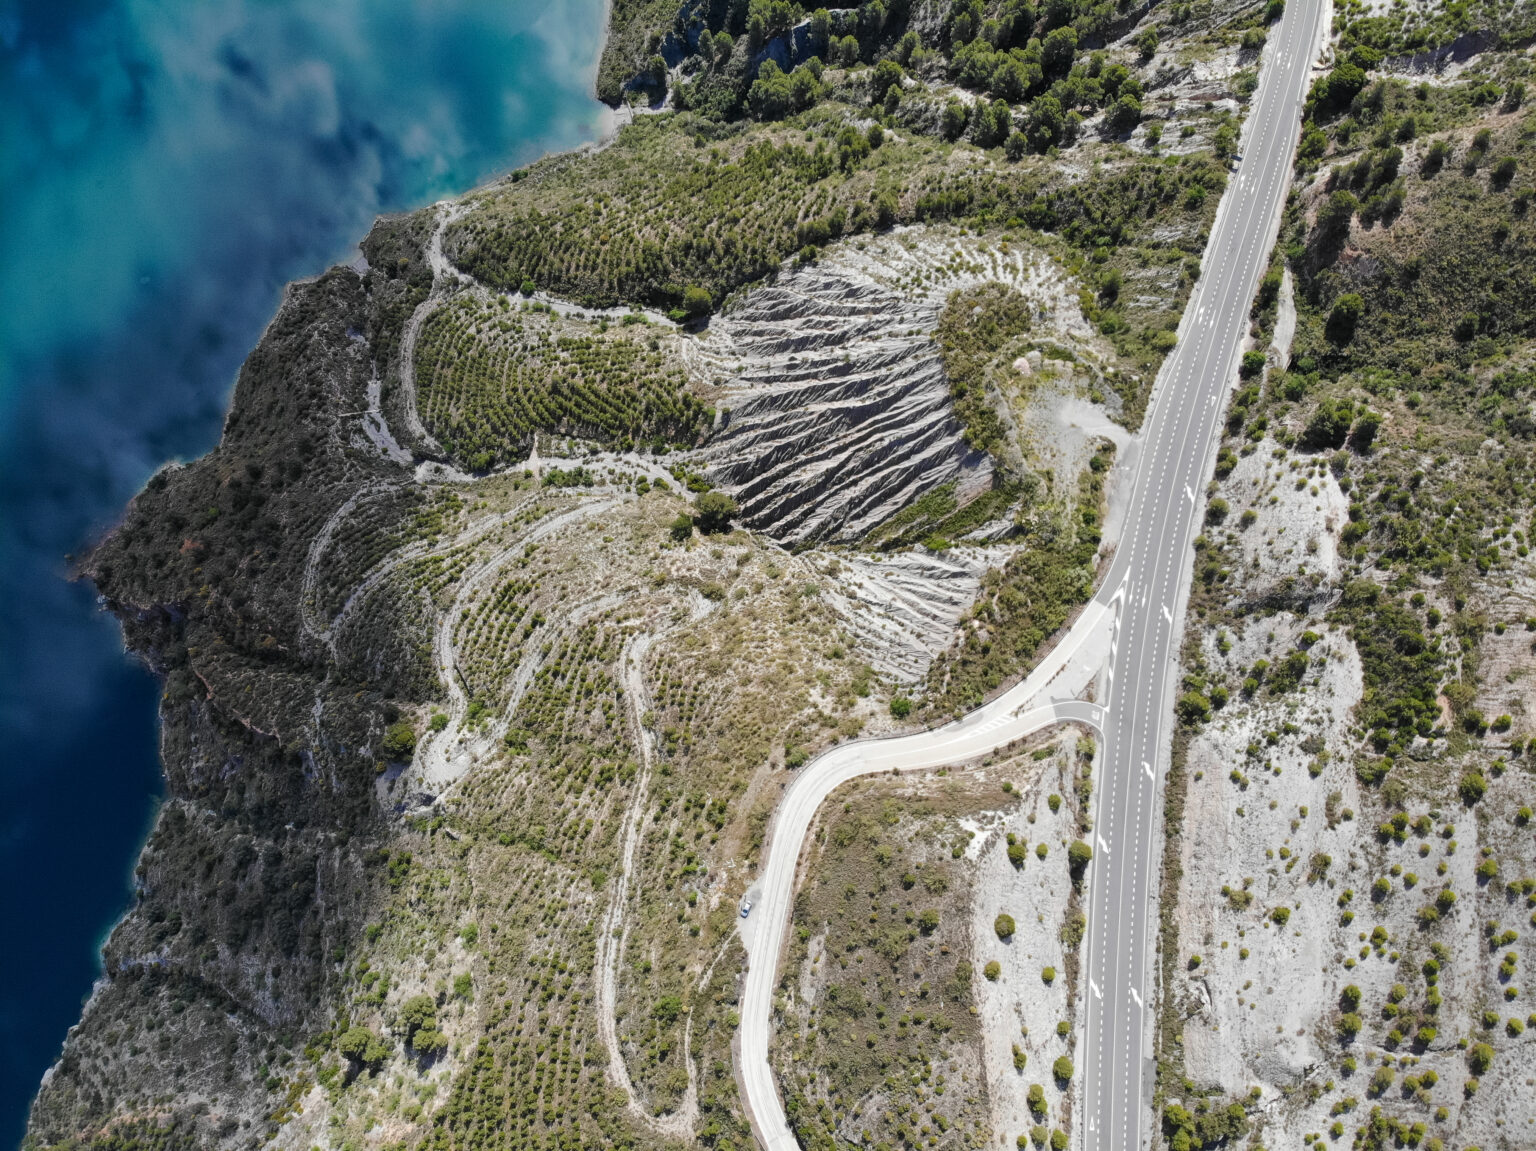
{"x":1136,"y":997}
{"x":1147,"y":767}
{"x":1189,"y":493}
{"x":1167,"y":615}
{"x":1097,"y":994}
{"x":1103,"y":845}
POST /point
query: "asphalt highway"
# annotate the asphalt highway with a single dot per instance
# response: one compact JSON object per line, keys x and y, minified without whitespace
{"x":1148,"y":581}
{"x":1127,"y":638}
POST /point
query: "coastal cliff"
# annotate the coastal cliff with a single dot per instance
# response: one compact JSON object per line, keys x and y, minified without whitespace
{"x":478,"y":696}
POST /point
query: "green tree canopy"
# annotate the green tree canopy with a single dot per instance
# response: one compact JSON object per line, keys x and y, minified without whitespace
{"x":399,"y":742}
{"x":418,"y":1013}
{"x":364,"y":1046}
{"x":696,"y":301}
{"x":714,"y":511}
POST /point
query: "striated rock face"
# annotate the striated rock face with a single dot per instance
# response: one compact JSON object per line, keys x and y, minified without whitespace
{"x":846,"y":416}
{"x":902,"y":608}
{"x":838,"y":409}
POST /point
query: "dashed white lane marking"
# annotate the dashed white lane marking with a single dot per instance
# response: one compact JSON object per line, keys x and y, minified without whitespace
{"x":1117,"y":1107}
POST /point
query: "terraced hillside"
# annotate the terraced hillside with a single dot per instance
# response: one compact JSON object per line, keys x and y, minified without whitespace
{"x":538,"y":552}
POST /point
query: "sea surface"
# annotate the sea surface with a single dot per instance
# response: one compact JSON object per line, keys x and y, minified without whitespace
{"x":165,"y":167}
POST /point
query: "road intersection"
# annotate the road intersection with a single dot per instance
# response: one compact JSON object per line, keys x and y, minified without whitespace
{"x":1126,"y":640}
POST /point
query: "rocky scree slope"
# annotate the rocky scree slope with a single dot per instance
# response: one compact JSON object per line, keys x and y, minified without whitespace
{"x":837,"y":408}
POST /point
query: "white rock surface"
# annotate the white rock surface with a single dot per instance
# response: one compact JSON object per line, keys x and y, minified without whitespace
{"x":839,"y":407}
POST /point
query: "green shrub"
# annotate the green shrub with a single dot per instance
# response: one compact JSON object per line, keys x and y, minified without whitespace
{"x":715,"y":511}
{"x":1472,"y":787}
{"x":1345,"y":317}
{"x":1062,"y":1069}
{"x":1194,"y":708}
{"x":363,"y":1046}
{"x":1004,"y":926}
{"x":399,"y":742}
{"x":1078,"y":856}
{"x":1479,"y":1058}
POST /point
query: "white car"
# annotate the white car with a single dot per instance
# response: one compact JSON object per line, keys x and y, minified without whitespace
{"x":746,"y":908}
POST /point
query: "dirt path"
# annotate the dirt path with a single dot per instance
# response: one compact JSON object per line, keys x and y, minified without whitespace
{"x":441,"y":271}
{"x":309,"y":583}
{"x":448,"y":754}
{"x":614,"y":934}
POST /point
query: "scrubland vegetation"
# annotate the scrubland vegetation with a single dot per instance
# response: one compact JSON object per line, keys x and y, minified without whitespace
{"x":490,"y":377}
{"x":679,"y":201}
{"x":880,"y":1031}
{"x":1024,"y":602}
{"x":1409,"y":395}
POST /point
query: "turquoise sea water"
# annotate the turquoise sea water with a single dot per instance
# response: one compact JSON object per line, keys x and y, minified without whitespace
{"x":165,"y":167}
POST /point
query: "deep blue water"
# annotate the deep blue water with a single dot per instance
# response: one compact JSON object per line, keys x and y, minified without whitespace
{"x":165,"y":167}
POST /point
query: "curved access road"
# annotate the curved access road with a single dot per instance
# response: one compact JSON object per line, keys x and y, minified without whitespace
{"x":1130,"y":633}
{"x":1024,"y":709}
